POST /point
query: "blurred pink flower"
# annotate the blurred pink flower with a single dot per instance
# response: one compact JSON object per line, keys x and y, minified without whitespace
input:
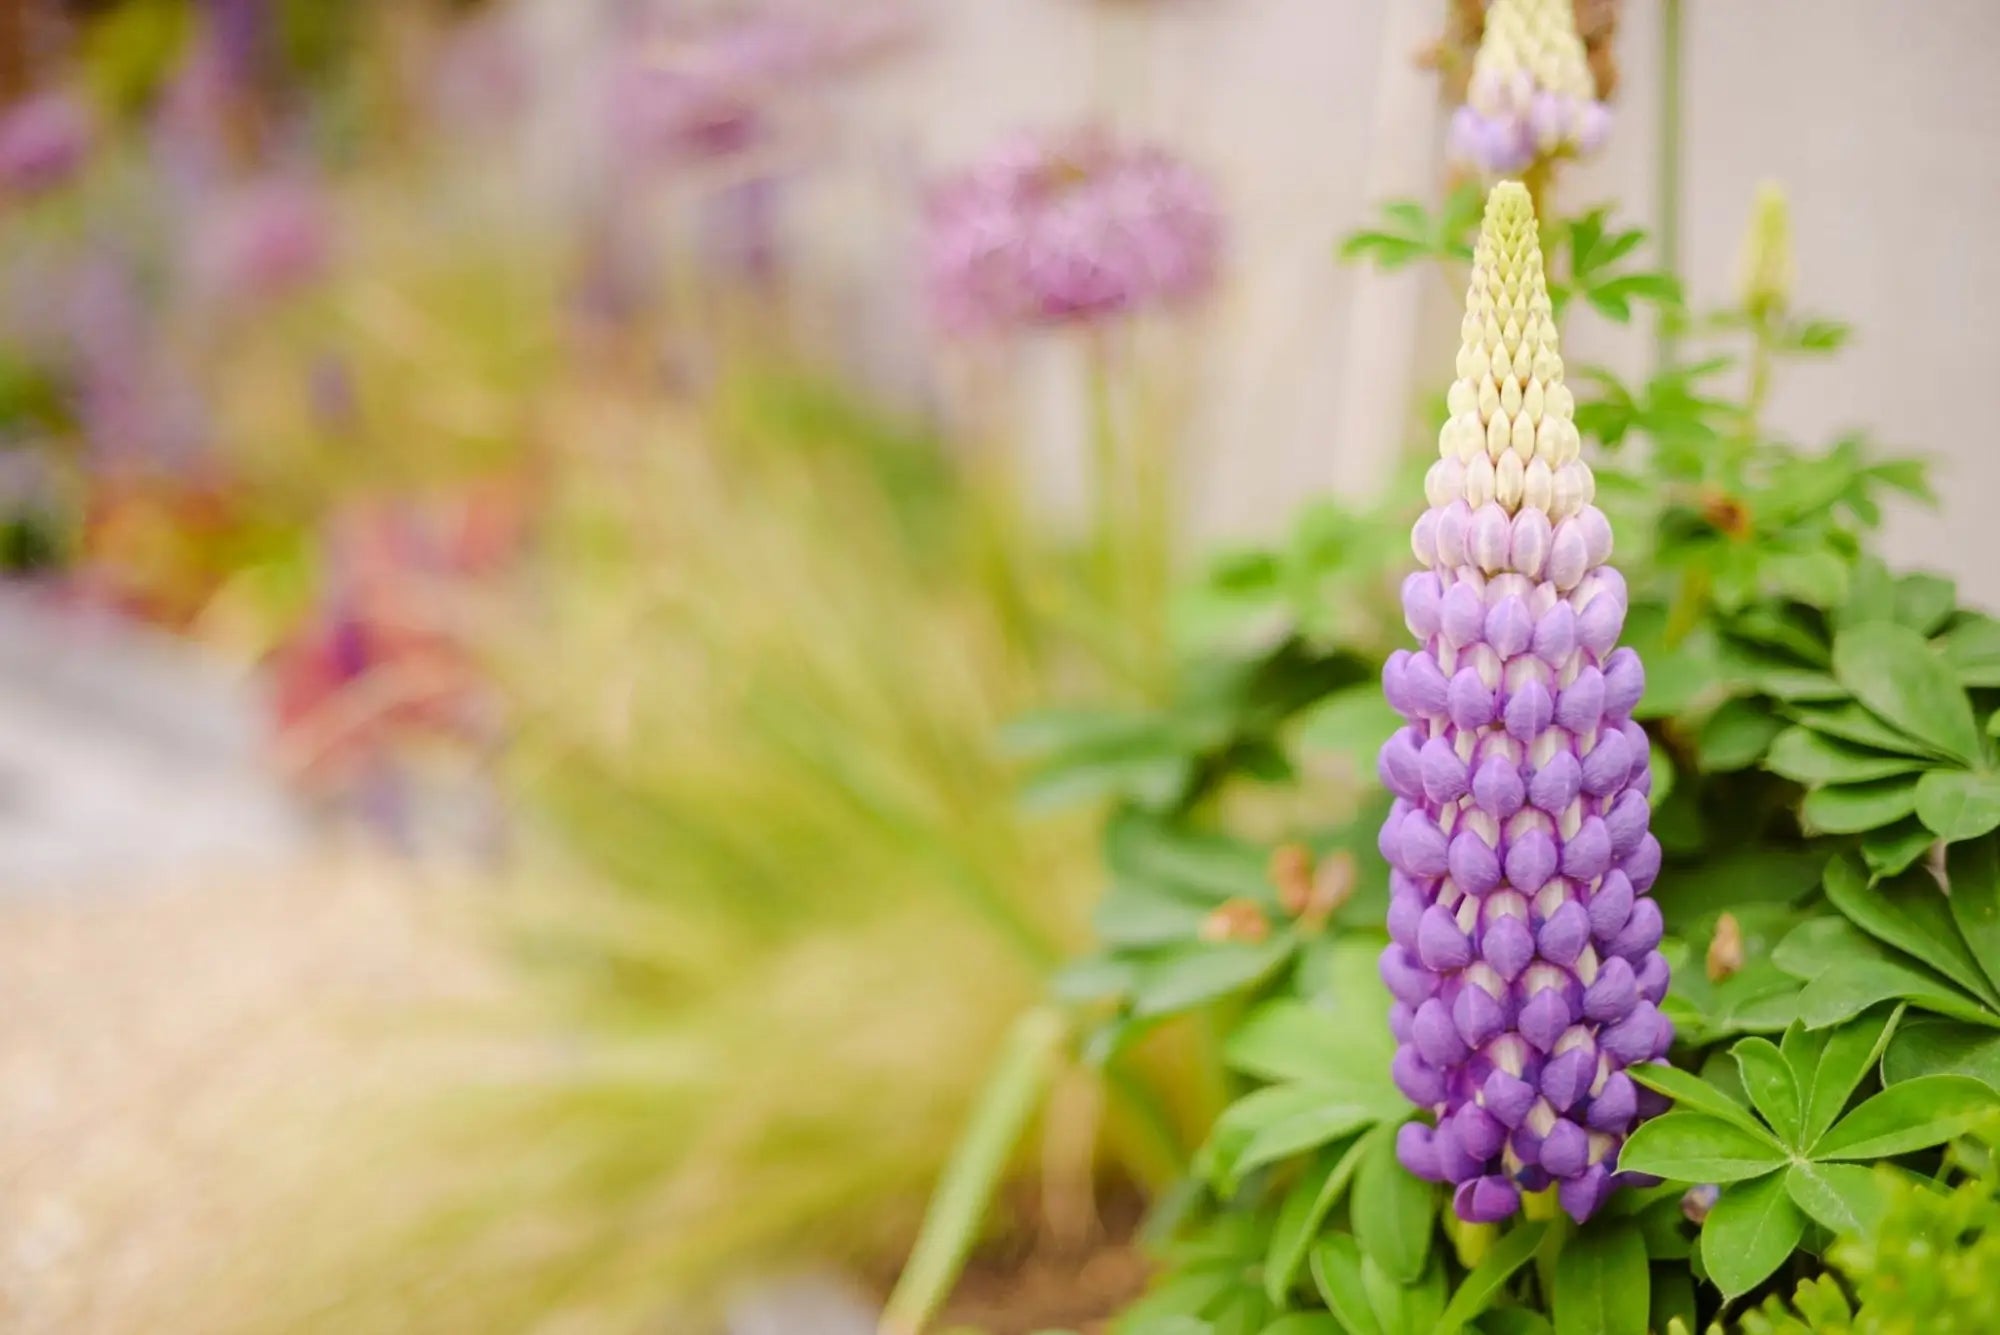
{"x":1070,"y":227}
{"x":269,"y":238}
{"x":43,"y":140}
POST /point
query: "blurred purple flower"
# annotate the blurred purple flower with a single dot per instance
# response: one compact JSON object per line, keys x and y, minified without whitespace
{"x":687,"y":93}
{"x":269,"y":238}
{"x":1071,"y":227}
{"x":43,"y":140}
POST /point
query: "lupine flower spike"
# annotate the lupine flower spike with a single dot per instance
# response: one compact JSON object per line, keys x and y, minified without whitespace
{"x":1532,"y":97}
{"x":1768,"y":269}
{"x":1524,"y":958}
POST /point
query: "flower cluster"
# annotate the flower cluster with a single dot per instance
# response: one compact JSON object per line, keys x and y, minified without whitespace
{"x":1072,"y":227}
{"x":1532,"y":96}
{"x":1524,"y":958}
{"x":43,"y":140}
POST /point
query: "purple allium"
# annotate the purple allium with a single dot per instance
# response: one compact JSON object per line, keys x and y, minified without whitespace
{"x":1524,"y":956}
{"x":43,"y":140}
{"x":267,"y":239}
{"x":1052,"y":229}
{"x":1532,"y":96}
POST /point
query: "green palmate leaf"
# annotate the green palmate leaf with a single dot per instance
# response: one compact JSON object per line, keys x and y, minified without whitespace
{"x":1749,"y":1233}
{"x":1817,"y":578}
{"x":1925,"y":602}
{"x":1893,"y":671}
{"x":1692,"y":1094}
{"x":1736,"y":735}
{"x":1422,"y":1303}
{"x":1853,"y":808}
{"x":999,"y":1118}
{"x":1973,"y":873}
{"x":1772,"y":1087}
{"x":1813,"y":758}
{"x":1959,"y":804}
{"x":1830,"y":1064}
{"x":1933,"y":1046}
{"x":1846,"y":1198}
{"x":1291,"y":1040}
{"x":1184,"y":978}
{"x":1850,"y":722}
{"x":1304,"y":1210}
{"x":1479,"y":1288}
{"x":1908,"y":912}
{"x":1913,"y":1115}
{"x":1698,"y":1147}
{"x":1893,"y":848}
{"x":1394,"y":1212}
{"x":1602,"y":1285}
{"x":1336,"y":1272}
{"x":1972,"y":649}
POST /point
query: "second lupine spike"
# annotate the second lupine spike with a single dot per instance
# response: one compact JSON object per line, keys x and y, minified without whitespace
{"x":1524,"y":956}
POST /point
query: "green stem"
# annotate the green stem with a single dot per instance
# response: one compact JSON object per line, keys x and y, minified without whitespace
{"x":1107,"y":538}
{"x":1669,"y":163}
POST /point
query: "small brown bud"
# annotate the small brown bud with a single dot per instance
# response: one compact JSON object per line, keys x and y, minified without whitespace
{"x":1726,"y":514}
{"x":1725,"y":950}
{"x":1332,"y":886}
{"x":1291,"y":870}
{"x":1236,"y":920}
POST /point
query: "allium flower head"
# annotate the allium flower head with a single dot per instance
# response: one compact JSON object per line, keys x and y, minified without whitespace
{"x":1072,"y":227}
{"x":1768,"y":269}
{"x":1532,"y":96}
{"x":43,"y":140}
{"x":1524,"y":957}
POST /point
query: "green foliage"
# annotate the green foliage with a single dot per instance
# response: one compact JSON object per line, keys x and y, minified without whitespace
{"x":1828,"y":800}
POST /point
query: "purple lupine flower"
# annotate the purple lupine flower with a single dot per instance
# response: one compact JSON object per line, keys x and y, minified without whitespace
{"x":1532,"y":96}
{"x":43,"y":140}
{"x":1524,"y":960}
{"x":1074,"y":227}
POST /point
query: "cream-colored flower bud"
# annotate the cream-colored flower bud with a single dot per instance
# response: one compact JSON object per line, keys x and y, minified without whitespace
{"x":1513,"y":419}
{"x":1768,"y":269}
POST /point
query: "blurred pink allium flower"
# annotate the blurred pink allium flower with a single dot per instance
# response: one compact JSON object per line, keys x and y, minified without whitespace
{"x":686,"y":93}
{"x":43,"y":140}
{"x":269,"y":238}
{"x":1069,"y":227}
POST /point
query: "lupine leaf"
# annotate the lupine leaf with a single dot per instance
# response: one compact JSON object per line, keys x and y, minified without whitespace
{"x":1846,"y":1198}
{"x":1933,"y":1046}
{"x":1973,"y":872}
{"x":1336,"y":1272}
{"x":1851,"y":808}
{"x":1771,"y":1085}
{"x":1908,"y":912}
{"x":1692,"y":1094}
{"x":1395,"y":1213}
{"x":1959,"y":804}
{"x":1812,"y":758}
{"x":1894,"y":672}
{"x":1304,"y":1210}
{"x":1749,"y":1233}
{"x":1829,"y":1064}
{"x":1913,"y":1115}
{"x":1602,"y":1285}
{"x":1696,"y":1147}
{"x":1490,"y":1276}
{"x":1851,"y":723}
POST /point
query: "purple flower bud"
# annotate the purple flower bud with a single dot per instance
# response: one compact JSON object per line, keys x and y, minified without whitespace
{"x":1569,"y":556}
{"x":1446,"y":778}
{"x":1614,"y":993}
{"x":1641,"y":932}
{"x":1455,"y":1163}
{"x":1532,"y":535}
{"x":1477,"y":1015}
{"x":1556,"y":784}
{"x":1401,"y":1018}
{"x":1440,"y":944}
{"x":1565,"y":1149}
{"x":1400,"y":766}
{"x":1509,"y":628}
{"x":1407,"y":979}
{"x":1555,"y":635}
{"x":1531,"y":860}
{"x":1422,"y":845}
{"x":1478,"y":1132}
{"x":1600,"y":623}
{"x":1486,"y":1200}
{"x":1507,"y":947}
{"x":1395,"y":683}
{"x":1471,"y":701}
{"x":1463,"y":615}
{"x":1507,"y":1097}
{"x":1564,"y":934}
{"x":1615,"y":1105}
{"x":1415,"y":1151}
{"x":1624,"y":682}
{"x":1491,"y":538}
{"x":1580,"y":1196}
{"x":1610,"y":906}
{"x":1474,"y":864}
{"x":1435,"y":1036}
{"x":1581,"y":703}
{"x":1420,"y":1083}
{"x":1654,"y":977}
{"x":1424,"y":687}
{"x":1453,"y":522}
{"x":1544,"y":1017}
{"x":1566,"y":1078}
{"x":1587,"y":853}
{"x":1497,"y":787}
{"x":1422,"y":604}
{"x":1529,"y":710}
{"x":1635,"y":1038}
{"x":1604,"y":769}
{"x":1626,"y":821}
{"x":1406,"y":911}
{"x":1643,"y":866}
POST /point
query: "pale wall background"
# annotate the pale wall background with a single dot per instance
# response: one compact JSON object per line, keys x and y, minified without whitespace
{"x":1878,"y":116}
